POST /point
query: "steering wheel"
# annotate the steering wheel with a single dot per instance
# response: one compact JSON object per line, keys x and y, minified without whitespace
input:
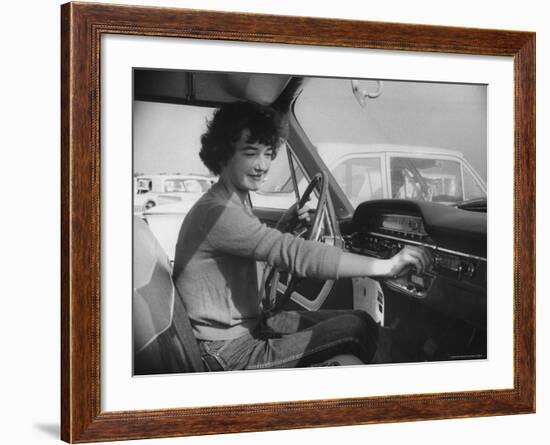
{"x":273,"y":279}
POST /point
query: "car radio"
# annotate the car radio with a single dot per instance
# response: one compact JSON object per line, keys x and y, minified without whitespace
{"x":447,"y":263}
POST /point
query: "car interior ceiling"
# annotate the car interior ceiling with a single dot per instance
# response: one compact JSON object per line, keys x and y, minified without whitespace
{"x":213,"y":88}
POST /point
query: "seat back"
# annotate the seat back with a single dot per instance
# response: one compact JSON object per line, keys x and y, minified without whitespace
{"x":162,"y":333}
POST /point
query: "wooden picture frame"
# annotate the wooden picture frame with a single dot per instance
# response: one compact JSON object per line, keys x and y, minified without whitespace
{"x":82,"y":26}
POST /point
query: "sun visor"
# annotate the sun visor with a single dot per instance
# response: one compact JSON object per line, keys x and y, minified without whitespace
{"x":204,"y":88}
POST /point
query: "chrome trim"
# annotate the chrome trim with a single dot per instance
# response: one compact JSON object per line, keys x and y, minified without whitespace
{"x":431,"y":246}
{"x":403,"y":289}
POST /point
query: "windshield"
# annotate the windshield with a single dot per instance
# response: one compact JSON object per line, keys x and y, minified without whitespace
{"x":414,"y":140}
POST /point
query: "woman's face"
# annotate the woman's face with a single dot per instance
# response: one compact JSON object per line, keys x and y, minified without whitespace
{"x":247,"y":168}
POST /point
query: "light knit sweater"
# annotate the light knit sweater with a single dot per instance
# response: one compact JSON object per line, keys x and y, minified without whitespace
{"x":215,"y":272}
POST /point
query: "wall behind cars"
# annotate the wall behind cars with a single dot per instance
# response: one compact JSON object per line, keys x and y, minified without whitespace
{"x":30,"y":219}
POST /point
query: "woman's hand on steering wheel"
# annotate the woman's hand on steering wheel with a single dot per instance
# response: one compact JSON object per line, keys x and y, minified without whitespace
{"x":303,"y":214}
{"x":295,"y":216}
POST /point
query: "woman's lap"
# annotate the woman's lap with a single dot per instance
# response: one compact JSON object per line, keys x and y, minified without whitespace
{"x":297,"y":338}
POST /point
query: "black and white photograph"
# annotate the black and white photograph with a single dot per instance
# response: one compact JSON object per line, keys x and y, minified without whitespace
{"x":293,"y":221}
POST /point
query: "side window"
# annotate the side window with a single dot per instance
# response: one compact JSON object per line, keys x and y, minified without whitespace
{"x":472,"y":188}
{"x":423,"y":179}
{"x":143,"y":185}
{"x":360,"y":179}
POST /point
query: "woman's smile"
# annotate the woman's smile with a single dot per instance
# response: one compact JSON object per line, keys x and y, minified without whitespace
{"x":257,"y":177}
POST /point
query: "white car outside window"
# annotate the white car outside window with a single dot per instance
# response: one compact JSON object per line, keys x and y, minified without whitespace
{"x":367,"y":172}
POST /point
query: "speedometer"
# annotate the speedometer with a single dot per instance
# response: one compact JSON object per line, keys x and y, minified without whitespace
{"x":403,"y":223}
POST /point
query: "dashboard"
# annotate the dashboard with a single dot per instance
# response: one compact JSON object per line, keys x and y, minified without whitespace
{"x":457,"y":239}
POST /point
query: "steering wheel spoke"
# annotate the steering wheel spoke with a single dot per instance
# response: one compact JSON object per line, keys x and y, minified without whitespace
{"x":312,"y":232}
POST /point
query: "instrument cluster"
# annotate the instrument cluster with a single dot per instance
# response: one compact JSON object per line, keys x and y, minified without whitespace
{"x":409,"y":226}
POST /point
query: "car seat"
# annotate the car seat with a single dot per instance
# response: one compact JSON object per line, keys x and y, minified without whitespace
{"x":162,"y":333}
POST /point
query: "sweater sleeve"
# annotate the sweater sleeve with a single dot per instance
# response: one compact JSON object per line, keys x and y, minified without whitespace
{"x":235,"y":232}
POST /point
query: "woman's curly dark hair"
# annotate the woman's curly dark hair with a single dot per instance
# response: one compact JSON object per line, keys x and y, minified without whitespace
{"x":266,"y":125}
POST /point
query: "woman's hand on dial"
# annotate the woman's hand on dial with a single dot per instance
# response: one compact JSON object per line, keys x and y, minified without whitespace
{"x":410,"y":258}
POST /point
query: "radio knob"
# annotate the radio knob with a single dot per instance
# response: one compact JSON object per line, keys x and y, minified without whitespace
{"x":470,"y":269}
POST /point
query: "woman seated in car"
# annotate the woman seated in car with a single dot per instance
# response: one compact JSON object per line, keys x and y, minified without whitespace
{"x":221,"y":241}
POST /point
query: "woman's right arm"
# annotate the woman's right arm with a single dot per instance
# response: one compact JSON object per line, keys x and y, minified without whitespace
{"x":352,"y":265}
{"x":235,"y":232}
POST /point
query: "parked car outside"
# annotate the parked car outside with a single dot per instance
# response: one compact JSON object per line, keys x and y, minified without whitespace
{"x":154,"y":190}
